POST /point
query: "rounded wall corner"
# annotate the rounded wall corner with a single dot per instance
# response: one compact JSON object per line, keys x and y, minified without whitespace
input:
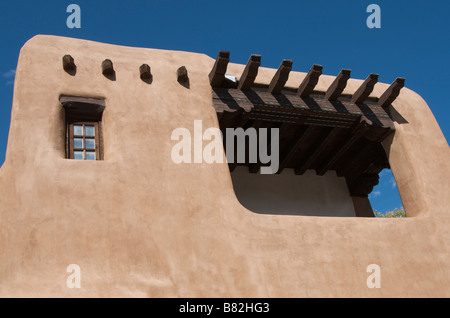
{"x":417,"y":153}
{"x":31,"y":41}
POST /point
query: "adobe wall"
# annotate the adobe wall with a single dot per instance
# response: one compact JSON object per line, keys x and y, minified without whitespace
{"x":139,"y":225}
{"x":289,"y":194}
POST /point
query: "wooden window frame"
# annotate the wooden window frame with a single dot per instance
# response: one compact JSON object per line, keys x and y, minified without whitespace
{"x":83,"y":111}
{"x":96,"y":138}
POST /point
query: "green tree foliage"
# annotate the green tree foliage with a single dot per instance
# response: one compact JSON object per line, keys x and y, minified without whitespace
{"x":397,"y":213}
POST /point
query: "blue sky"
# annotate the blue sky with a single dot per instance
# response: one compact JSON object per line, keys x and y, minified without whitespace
{"x":413,"y":41}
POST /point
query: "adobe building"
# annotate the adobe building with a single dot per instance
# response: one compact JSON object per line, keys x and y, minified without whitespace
{"x":140,"y":225}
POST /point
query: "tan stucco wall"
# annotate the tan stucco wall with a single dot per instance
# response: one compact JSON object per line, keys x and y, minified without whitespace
{"x":289,"y":194}
{"x":140,"y":225}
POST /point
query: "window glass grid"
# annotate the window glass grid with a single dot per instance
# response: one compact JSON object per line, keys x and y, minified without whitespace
{"x":84,"y":142}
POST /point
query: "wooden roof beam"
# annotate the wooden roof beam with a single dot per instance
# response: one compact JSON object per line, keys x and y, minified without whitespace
{"x":280,"y":78}
{"x":359,"y":167}
{"x":392,"y":92}
{"x":356,"y":134}
{"x":182,"y":74}
{"x":68,"y":63}
{"x":285,"y":159}
{"x":217,"y":74}
{"x":352,"y":159}
{"x":365,"y":89}
{"x":145,"y":72}
{"x":108,"y":68}
{"x":250,"y":72}
{"x":363,"y":185}
{"x":256,"y":166}
{"x":338,"y":86}
{"x":310,"y":81}
{"x":316,"y":152}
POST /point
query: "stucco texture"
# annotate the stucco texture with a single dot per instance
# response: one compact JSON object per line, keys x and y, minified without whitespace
{"x":290,"y":194}
{"x":139,"y":225}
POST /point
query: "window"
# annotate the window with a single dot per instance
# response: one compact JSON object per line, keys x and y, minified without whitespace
{"x":84,"y":141}
{"x":83,"y":127}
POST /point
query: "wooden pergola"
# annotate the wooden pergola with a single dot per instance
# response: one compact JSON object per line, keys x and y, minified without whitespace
{"x":317,"y":130}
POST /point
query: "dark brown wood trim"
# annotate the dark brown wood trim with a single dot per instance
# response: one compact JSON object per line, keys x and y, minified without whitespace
{"x":310,"y":81}
{"x":100,"y":141}
{"x":68,"y":63}
{"x":338,"y":86}
{"x":363,"y":185}
{"x":145,"y":72}
{"x":182,"y":74}
{"x":392,"y":92}
{"x":360,"y":167}
{"x":250,"y":72}
{"x":69,"y":142}
{"x":358,"y":133}
{"x":107,"y":68}
{"x":217,"y":74}
{"x":366,"y":88}
{"x":299,"y":139}
{"x":316,"y":151}
{"x":83,"y":107}
{"x":280,"y":78}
